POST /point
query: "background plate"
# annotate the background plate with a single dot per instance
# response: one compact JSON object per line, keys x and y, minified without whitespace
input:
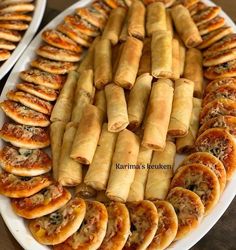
{"x":18,"y":226}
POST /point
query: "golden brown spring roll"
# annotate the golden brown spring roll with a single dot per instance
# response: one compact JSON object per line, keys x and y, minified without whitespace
{"x":186,"y":144}
{"x":83,"y":94}
{"x":175,"y":59}
{"x":124,"y":31}
{"x":56,"y":137}
{"x":87,"y":135}
{"x":182,"y":108}
{"x":136,"y":22}
{"x":98,"y":172}
{"x":122,"y":173}
{"x":194,"y":70}
{"x":161,"y":47}
{"x":145,"y":60}
{"x":138,"y":100}
{"x":158,"y":115}
{"x":137,"y":189}
{"x":102,"y":63}
{"x":116,"y":54}
{"x":114,"y":25}
{"x":100,"y":102}
{"x":182,"y":53}
{"x":63,"y":107}
{"x":169,"y":23}
{"x":116,"y":108}
{"x":129,"y":63}
{"x":88,"y":60}
{"x":185,"y":26}
{"x":69,"y":171}
{"x":160,"y":173}
{"x":156,"y":18}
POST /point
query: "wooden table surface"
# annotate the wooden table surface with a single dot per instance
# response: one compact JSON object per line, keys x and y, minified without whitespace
{"x":222,"y":235}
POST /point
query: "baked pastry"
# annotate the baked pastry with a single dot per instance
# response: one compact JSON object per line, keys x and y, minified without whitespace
{"x":10,"y":35}
{"x":40,"y":91}
{"x":45,"y":79}
{"x":167,"y":226}
{"x":45,"y":202}
{"x":116,"y":3}
{"x":24,"y":136}
{"x":7,"y":2}
{"x":4,"y":44}
{"x":227,"y":122}
{"x":195,"y":8}
{"x":189,"y":209}
{"x":30,"y":101}
{"x":214,"y":36}
{"x":82,"y":25}
{"x":211,"y":25}
{"x":209,"y":161}
{"x":22,"y":186}
{"x":221,"y":144}
{"x":13,"y":25}
{"x":186,"y":3}
{"x":101,"y":7}
{"x":213,"y":85}
{"x":216,"y":108}
{"x":15,"y":16}
{"x":201,"y":180}
{"x":75,"y":34}
{"x":118,"y":228}
{"x":24,"y":115}
{"x":25,"y":162}
{"x":4,"y":54}
{"x":227,"y":42}
{"x":20,"y":7}
{"x":91,"y":232}
{"x":56,"y":227}
{"x":227,"y":69}
{"x":142,"y":234}
{"x":59,"y":40}
{"x":53,"y":67}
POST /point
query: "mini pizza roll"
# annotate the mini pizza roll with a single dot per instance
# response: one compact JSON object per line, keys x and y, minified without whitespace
{"x":13,"y":25}
{"x":20,"y":7}
{"x":145,"y":60}
{"x":45,"y":202}
{"x":136,"y":22}
{"x":167,"y":226}
{"x":57,"y":129}
{"x":16,"y":16}
{"x":211,"y":25}
{"x":88,"y":60}
{"x":116,"y":3}
{"x":213,"y":85}
{"x":137,"y":189}
{"x":161,"y":48}
{"x":83,"y":94}
{"x":69,"y":171}
{"x":167,"y":3}
{"x":56,"y":227}
{"x":219,"y":142}
{"x":4,"y":44}
{"x":169,"y":22}
{"x":121,"y":169}
{"x":129,"y":62}
{"x":227,"y":122}
{"x":4,"y":54}
{"x":138,"y":100}
{"x":175,"y":59}
{"x":201,"y":180}
{"x":25,"y":162}
{"x":217,"y":108}
{"x":114,"y":25}
{"x":99,"y":169}
{"x":186,"y":144}
{"x":185,"y":26}
{"x":156,"y":18}
{"x":197,"y":7}
{"x":14,"y":186}
{"x":190,"y":219}
{"x":117,"y":113}
{"x":186,"y":3}
{"x":23,"y":136}
{"x":101,"y":7}
{"x":142,"y":233}
{"x":87,"y":135}
{"x":92,"y":232}
{"x":63,"y":107}
{"x":102,"y":63}
{"x":211,"y":162}
{"x":158,"y":115}
{"x":10,"y":35}
{"x":118,"y":228}
{"x":182,"y":108}
{"x":160,"y":173}
{"x":193,"y":70}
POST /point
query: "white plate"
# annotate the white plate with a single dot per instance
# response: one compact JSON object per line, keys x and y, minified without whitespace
{"x":18,"y":226}
{"x":27,"y":37}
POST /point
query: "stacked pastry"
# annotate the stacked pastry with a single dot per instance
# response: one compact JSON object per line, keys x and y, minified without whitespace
{"x":15,"y":16}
